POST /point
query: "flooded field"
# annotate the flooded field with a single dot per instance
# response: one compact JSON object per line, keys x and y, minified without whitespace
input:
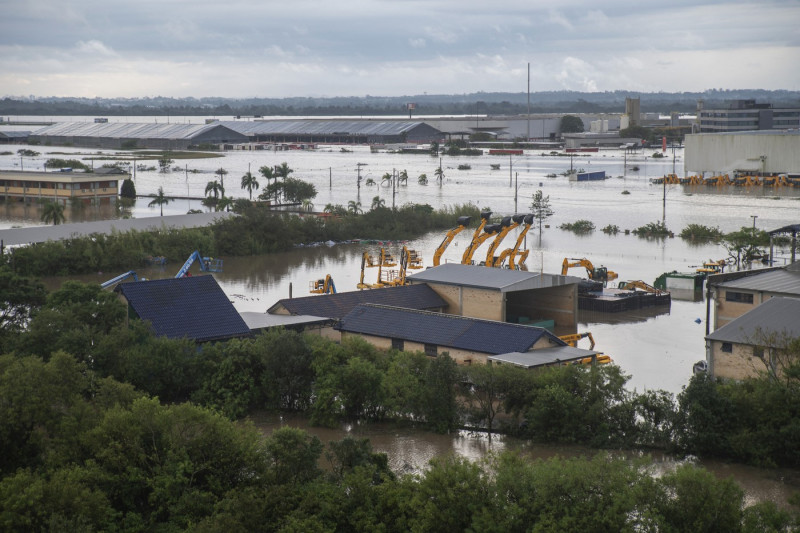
{"x":656,"y":346}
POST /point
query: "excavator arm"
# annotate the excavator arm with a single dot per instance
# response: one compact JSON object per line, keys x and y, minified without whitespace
{"x":573,"y":339}
{"x":489,"y":231}
{"x":448,"y":238}
{"x":323,"y":286}
{"x":638,"y":284}
{"x":477,"y":235}
{"x":508,"y":224}
{"x":514,"y":252}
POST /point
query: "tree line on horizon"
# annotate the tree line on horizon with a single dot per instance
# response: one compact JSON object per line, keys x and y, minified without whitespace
{"x":483,"y":103}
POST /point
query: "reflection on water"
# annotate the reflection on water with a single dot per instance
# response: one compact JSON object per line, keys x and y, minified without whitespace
{"x":410,"y":450}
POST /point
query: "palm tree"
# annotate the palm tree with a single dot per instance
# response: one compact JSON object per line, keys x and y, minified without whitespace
{"x":354,"y":207}
{"x":402,"y":177}
{"x":268,"y":173}
{"x":221,"y":172}
{"x":423,"y":179}
{"x":224,"y":203}
{"x":214,"y":187}
{"x":53,"y":212}
{"x":377,"y":203}
{"x":439,"y":173}
{"x":249,"y":182}
{"x":282,"y":171}
{"x":386,"y":177}
{"x":160,"y":199}
{"x":307,"y":204}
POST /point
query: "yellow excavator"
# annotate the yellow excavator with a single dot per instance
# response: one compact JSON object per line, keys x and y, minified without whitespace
{"x":638,"y":285}
{"x":323,"y":286}
{"x":713,"y":267}
{"x":510,"y":254}
{"x":595,"y":274}
{"x":573,"y":339}
{"x":491,"y":260}
{"x":489,"y":231}
{"x":462,"y":222}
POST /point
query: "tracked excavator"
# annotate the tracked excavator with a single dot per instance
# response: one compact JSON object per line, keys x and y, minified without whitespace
{"x":322,"y":286}
{"x":515,"y":221}
{"x":490,"y":230}
{"x":638,"y":285}
{"x":595,"y":274}
{"x":462,"y":222}
{"x":510,"y":254}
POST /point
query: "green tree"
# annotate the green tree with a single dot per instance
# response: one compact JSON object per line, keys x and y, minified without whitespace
{"x":354,"y":207}
{"x":292,"y":456}
{"x":249,"y":182}
{"x":423,"y":179}
{"x":221,"y":172}
{"x":215,"y":188}
{"x":164,"y":162}
{"x":439,"y":173}
{"x":224,"y":204}
{"x":53,"y":211}
{"x":483,"y":391}
{"x":128,"y":189}
{"x":269,"y":174}
{"x":442,"y":411}
{"x":20,"y":298}
{"x":159,"y":199}
{"x":296,"y":190}
{"x":540,"y":209}
{"x":571,"y":124}
{"x":377,"y":203}
{"x":745,"y":245}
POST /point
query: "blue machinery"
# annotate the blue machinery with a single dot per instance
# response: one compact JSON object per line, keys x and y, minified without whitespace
{"x":207,"y":264}
{"x":121,"y":277}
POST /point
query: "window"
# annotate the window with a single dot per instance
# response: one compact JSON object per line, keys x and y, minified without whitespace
{"x":727,"y":347}
{"x":758,"y":352}
{"x":397,"y":344}
{"x":741,"y":297}
{"x":430,"y":350}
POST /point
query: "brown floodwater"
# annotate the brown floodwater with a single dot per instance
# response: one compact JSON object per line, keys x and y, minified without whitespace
{"x":410,"y":450}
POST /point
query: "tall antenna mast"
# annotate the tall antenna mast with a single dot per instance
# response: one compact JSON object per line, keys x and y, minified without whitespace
{"x":529,"y":102}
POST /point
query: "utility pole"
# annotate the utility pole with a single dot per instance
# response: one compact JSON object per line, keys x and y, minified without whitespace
{"x":754,"y":217}
{"x":516,"y":191}
{"x":510,"y":168}
{"x":358,"y":168}
{"x":330,"y":177}
{"x":529,"y":103}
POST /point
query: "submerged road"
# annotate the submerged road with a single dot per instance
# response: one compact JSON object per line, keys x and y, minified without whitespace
{"x":30,"y":235}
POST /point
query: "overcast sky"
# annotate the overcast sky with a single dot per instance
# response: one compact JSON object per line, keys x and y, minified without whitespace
{"x":237,"y":48}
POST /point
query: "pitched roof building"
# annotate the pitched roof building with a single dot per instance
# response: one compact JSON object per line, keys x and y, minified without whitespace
{"x":194,"y":307}
{"x":466,"y":339}
{"x":752,"y":342}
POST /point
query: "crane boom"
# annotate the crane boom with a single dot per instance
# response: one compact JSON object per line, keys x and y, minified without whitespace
{"x":207,"y":264}
{"x":462,"y":222}
{"x":121,"y":277}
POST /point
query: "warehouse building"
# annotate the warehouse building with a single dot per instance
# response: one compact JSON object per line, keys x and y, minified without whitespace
{"x":749,"y":152}
{"x":119,"y":135}
{"x":337,"y":131}
{"x":746,"y":115}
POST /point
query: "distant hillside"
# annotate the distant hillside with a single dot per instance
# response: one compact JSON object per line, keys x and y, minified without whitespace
{"x":440,"y":104}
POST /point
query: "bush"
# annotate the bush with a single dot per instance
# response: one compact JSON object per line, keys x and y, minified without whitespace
{"x":611,"y":229}
{"x":653,"y":229}
{"x":464,"y":167}
{"x":701,"y":233}
{"x":579,"y":227}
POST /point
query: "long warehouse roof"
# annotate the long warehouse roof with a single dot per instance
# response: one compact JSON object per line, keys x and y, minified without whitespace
{"x":321,"y":127}
{"x":128,"y":130}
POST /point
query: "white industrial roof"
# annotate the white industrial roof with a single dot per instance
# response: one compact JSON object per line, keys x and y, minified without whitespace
{"x":500,"y":279}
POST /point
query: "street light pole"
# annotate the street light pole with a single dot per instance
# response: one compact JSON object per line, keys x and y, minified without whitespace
{"x":754,"y":217}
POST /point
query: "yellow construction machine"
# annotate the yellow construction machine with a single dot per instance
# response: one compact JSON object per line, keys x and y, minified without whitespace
{"x":573,"y":339}
{"x":414,"y":259}
{"x":515,"y":221}
{"x":489,"y":231}
{"x":323,"y":286}
{"x":595,"y":274}
{"x":638,"y":285}
{"x":713,"y":267}
{"x":462,"y":222}
{"x":511,"y":254}
{"x":386,"y":278}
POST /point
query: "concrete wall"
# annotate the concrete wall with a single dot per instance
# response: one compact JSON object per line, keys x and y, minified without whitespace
{"x":461,"y":357}
{"x":713,"y":153}
{"x":740,"y":363}
{"x":471,"y":302}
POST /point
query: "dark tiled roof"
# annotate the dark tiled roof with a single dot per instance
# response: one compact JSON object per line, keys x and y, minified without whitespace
{"x":451,"y":331}
{"x":337,"y":305}
{"x":193,"y":307}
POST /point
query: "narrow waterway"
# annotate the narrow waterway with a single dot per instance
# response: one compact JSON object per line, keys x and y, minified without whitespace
{"x":410,"y":450}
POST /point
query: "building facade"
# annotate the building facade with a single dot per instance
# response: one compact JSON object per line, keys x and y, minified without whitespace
{"x":60,"y":186}
{"x":747,"y":115}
